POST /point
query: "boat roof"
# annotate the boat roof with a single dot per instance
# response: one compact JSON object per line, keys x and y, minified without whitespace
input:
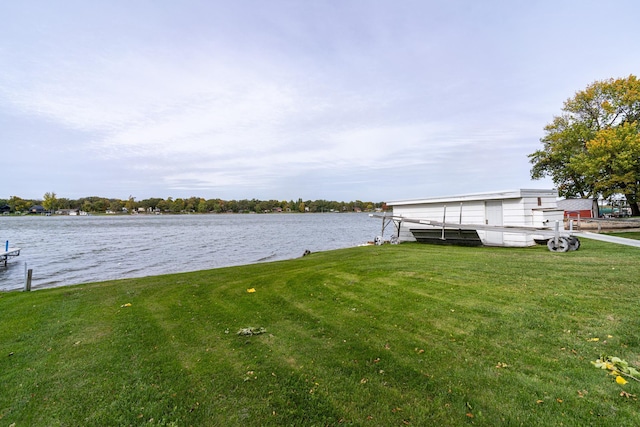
{"x":495,"y":195}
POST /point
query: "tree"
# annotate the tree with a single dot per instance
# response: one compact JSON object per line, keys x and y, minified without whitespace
{"x":178,"y":205}
{"x":19,"y":205}
{"x":115,"y":206}
{"x":130,"y":204}
{"x":614,"y":157}
{"x":588,"y":150}
{"x":50,"y":201}
{"x":165,"y":205}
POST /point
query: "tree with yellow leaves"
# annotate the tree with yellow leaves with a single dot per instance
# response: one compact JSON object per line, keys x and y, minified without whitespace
{"x":593,"y":148}
{"x":613,"y":156}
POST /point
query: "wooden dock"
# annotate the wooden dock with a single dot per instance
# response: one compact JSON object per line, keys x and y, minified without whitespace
{"x":8,"y":253}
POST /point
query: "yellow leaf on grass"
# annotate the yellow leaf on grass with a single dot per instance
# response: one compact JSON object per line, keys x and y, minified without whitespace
{"x":252,"y":290}
{"x":621,"y":380}
{"x":593,"y":339}
{"x":126,"y":305}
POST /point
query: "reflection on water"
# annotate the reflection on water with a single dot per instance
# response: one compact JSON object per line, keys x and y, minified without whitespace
{"x":65,"y":250}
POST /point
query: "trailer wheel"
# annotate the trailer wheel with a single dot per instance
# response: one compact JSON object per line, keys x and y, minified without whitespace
{"x":562,"y":246}
{"x":574,"y":243}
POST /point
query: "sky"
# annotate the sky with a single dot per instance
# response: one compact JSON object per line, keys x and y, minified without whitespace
{"x":284,"y":99}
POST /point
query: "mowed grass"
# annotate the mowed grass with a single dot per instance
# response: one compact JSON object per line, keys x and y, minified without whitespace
{"x":370,"y":336}
{"x":627,"y":234}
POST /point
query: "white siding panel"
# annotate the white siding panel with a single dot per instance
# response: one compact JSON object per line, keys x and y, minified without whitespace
{"x":518,"y":210}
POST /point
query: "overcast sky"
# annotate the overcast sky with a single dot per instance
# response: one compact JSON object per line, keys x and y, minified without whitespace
{"x":271,"y":99}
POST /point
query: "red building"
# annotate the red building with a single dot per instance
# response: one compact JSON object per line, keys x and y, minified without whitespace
{"x":582,"y":208}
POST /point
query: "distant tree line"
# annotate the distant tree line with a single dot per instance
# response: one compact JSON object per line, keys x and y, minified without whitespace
{"x":51,"y":203}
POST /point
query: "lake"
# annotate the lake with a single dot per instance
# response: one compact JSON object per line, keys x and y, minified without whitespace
{"x":66,"y":250}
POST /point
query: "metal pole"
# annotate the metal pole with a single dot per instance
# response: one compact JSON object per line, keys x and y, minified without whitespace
{"x":444,"y":219}
{"x":27,"y":283}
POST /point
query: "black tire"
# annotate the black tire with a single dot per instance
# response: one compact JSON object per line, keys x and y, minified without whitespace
{"x":562,"y":246}
{"x":574,"y":243}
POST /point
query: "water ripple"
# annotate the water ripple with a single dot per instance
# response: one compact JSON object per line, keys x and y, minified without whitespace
{"x":71,"y":250}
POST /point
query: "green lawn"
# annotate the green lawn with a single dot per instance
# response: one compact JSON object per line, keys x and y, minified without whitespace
{"x":627,"y":234}
{"x":371,"y":336}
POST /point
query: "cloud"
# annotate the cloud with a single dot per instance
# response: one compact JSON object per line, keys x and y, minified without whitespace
{"x":242,"y":97}
{"x":223,"y":116}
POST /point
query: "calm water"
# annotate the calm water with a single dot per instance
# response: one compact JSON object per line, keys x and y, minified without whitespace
{"x":65,"y":250}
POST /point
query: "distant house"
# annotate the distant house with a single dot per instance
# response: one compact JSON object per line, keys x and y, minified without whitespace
{"x":579,"y":208}
{"x":37,"y":209}
{"x":5,"y":209}
{"x":67,"y":212}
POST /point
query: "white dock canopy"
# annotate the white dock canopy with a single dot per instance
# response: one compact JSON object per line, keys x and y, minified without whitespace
{"x":517,"y":208}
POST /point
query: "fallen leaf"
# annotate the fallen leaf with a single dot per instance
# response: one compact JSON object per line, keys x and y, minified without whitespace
{"x":469,"y":414}
{"x":126,"y":305}
{"x":251,"y":290}
{"x":559,"y":400}
{"x":593,"y":339}
{"x":539,"y":401}
{"x":621,"y":380}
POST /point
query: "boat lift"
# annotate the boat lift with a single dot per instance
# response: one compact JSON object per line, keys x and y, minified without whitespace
{"x":557,"y":240}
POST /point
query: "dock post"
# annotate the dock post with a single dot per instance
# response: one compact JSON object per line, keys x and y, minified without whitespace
{"x":27,"y":283}
{"x":6,"y":246}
